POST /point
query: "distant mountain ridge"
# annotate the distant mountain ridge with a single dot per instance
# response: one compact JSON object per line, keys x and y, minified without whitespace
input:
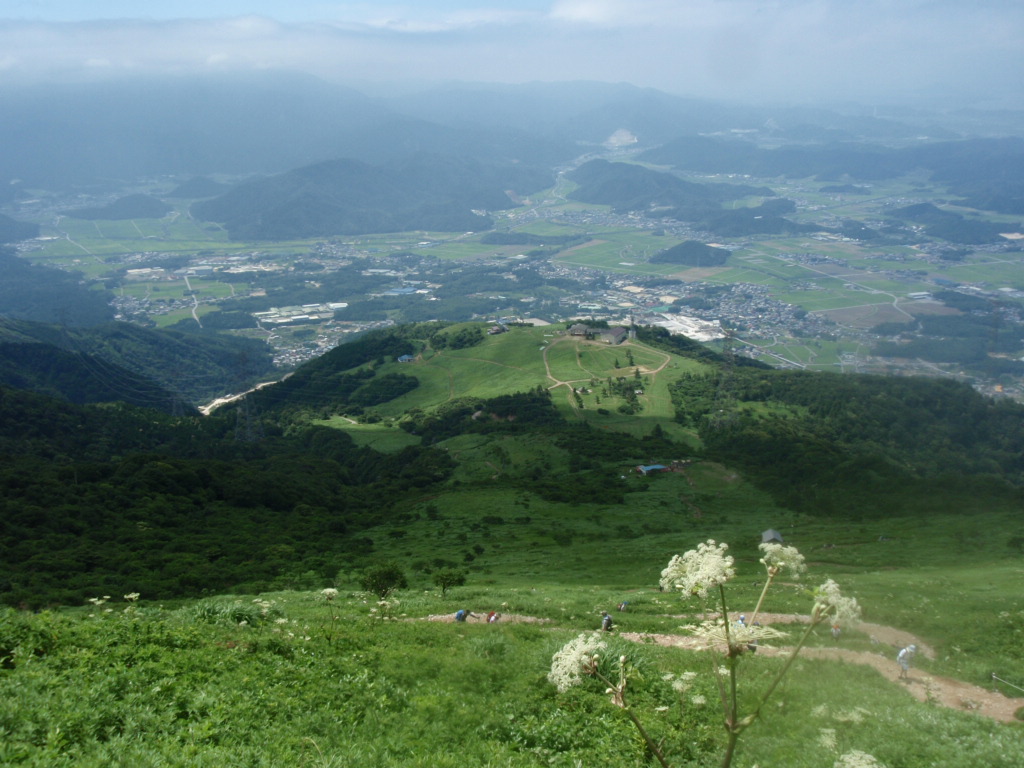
{"x":349,"y":197}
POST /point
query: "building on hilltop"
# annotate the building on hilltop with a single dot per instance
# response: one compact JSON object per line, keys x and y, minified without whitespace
{"x":651,"y":469}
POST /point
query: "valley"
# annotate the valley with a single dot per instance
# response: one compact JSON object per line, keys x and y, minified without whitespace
{"x":284,"y":392}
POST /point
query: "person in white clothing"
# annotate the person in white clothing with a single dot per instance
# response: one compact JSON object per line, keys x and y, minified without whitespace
{"x":903,"y":658}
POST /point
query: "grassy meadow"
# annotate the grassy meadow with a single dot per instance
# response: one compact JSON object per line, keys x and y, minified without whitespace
{"x":291,"y":678}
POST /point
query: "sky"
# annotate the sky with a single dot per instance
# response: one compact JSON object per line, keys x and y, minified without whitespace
{"x":798,"y":51}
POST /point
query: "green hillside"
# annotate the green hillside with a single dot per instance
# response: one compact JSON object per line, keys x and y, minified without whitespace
{"x":486,"y":465}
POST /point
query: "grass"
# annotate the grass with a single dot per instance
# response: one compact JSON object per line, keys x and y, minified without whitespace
{"x":385,"y":438}
{"x":188,"y":684}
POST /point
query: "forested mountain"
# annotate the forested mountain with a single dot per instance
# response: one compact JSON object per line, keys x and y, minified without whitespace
{"x":130,"y":207}
{"x":121,"y":361}
{"x":273,"y":122}
{"x":11,"y":230}
{"x":104,"y":497}
{"x":986,"y":172}
{"x":858,"y":445}
{"x":31,"y":292}
{"x":692,"y":254}
{"x":233,"y":124}
{"x":950,"y":226}
{"x":348,"y":197}
{"x":628,"y":187}
{"x":80,"y":378}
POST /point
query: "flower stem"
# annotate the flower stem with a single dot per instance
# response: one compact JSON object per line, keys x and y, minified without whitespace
{"x":757,"y":608}
{"x":785,"y":669}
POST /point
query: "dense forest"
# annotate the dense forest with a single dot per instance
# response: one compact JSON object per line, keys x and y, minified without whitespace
{"x":119,"y":361}
{"x":856,"y":444}
{"x":31,"y":292}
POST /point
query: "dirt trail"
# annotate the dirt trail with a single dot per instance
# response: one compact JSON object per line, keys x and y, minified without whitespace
{"x":946,"y":691}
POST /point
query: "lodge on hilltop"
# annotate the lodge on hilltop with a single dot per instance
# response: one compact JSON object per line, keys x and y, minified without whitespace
{"x":612,"y":336}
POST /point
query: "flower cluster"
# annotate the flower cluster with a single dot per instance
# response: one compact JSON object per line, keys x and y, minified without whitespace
{"x":716,"y":634}
{"x":779,"y":557}
{"x":698,"y":570}
{"x":830,"y":602}
{"x":574,"y":659}
{"x":385,"y":608}
{"x":131,"y":597}
{"x":329,"y":594}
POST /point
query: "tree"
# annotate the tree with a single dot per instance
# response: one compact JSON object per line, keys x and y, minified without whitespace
{"x":446,"y":578}
{"x":383,"y":579}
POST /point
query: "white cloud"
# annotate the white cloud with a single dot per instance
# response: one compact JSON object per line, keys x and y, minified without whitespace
{"x":794,"y":49}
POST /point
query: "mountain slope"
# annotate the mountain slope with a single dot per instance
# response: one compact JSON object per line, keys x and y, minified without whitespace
{"x":195,"y":367}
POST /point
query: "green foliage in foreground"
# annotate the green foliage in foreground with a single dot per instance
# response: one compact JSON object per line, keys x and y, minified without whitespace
{"x":291,"y":679}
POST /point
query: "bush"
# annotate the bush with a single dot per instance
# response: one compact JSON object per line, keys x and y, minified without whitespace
{"x":383,"y":579}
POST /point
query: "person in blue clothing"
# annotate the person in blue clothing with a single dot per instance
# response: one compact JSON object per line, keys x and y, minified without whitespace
{"x":462,"y":614}
{"x":606,"y":621}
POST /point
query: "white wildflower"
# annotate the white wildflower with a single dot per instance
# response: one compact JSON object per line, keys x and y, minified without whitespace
{"x":830,"y":602}
{"x":569,"y":663}
{"x":680,"y":686}
{"x":857,"y":759}
{"x":779,"y":557}
{"x":329,"y":594}
{"x":827,"y":738}
{"x":131,"y":597}
{"x":714,"y":633}
{"x":698,"y":570}
{"x":697,"y":700}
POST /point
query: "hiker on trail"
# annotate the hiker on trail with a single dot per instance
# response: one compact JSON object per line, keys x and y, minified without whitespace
{"x":462,"y":614}
{"x":752,"y":645}
{"x":742,"y":620}
{"x":606,"y":621}
{"x":624,"y":605}
{"x":835,"y":632}
{"x":492,"y":617}
{"x":903,"y":658}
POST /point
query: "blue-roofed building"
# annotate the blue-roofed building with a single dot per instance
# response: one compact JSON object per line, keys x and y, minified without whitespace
{"x":651,"y":469}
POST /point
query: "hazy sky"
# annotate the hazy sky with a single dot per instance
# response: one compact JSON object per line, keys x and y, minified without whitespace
{"x":798,"y":50}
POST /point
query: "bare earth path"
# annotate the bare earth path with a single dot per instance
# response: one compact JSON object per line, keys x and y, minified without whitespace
{"x":946,"y":691}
